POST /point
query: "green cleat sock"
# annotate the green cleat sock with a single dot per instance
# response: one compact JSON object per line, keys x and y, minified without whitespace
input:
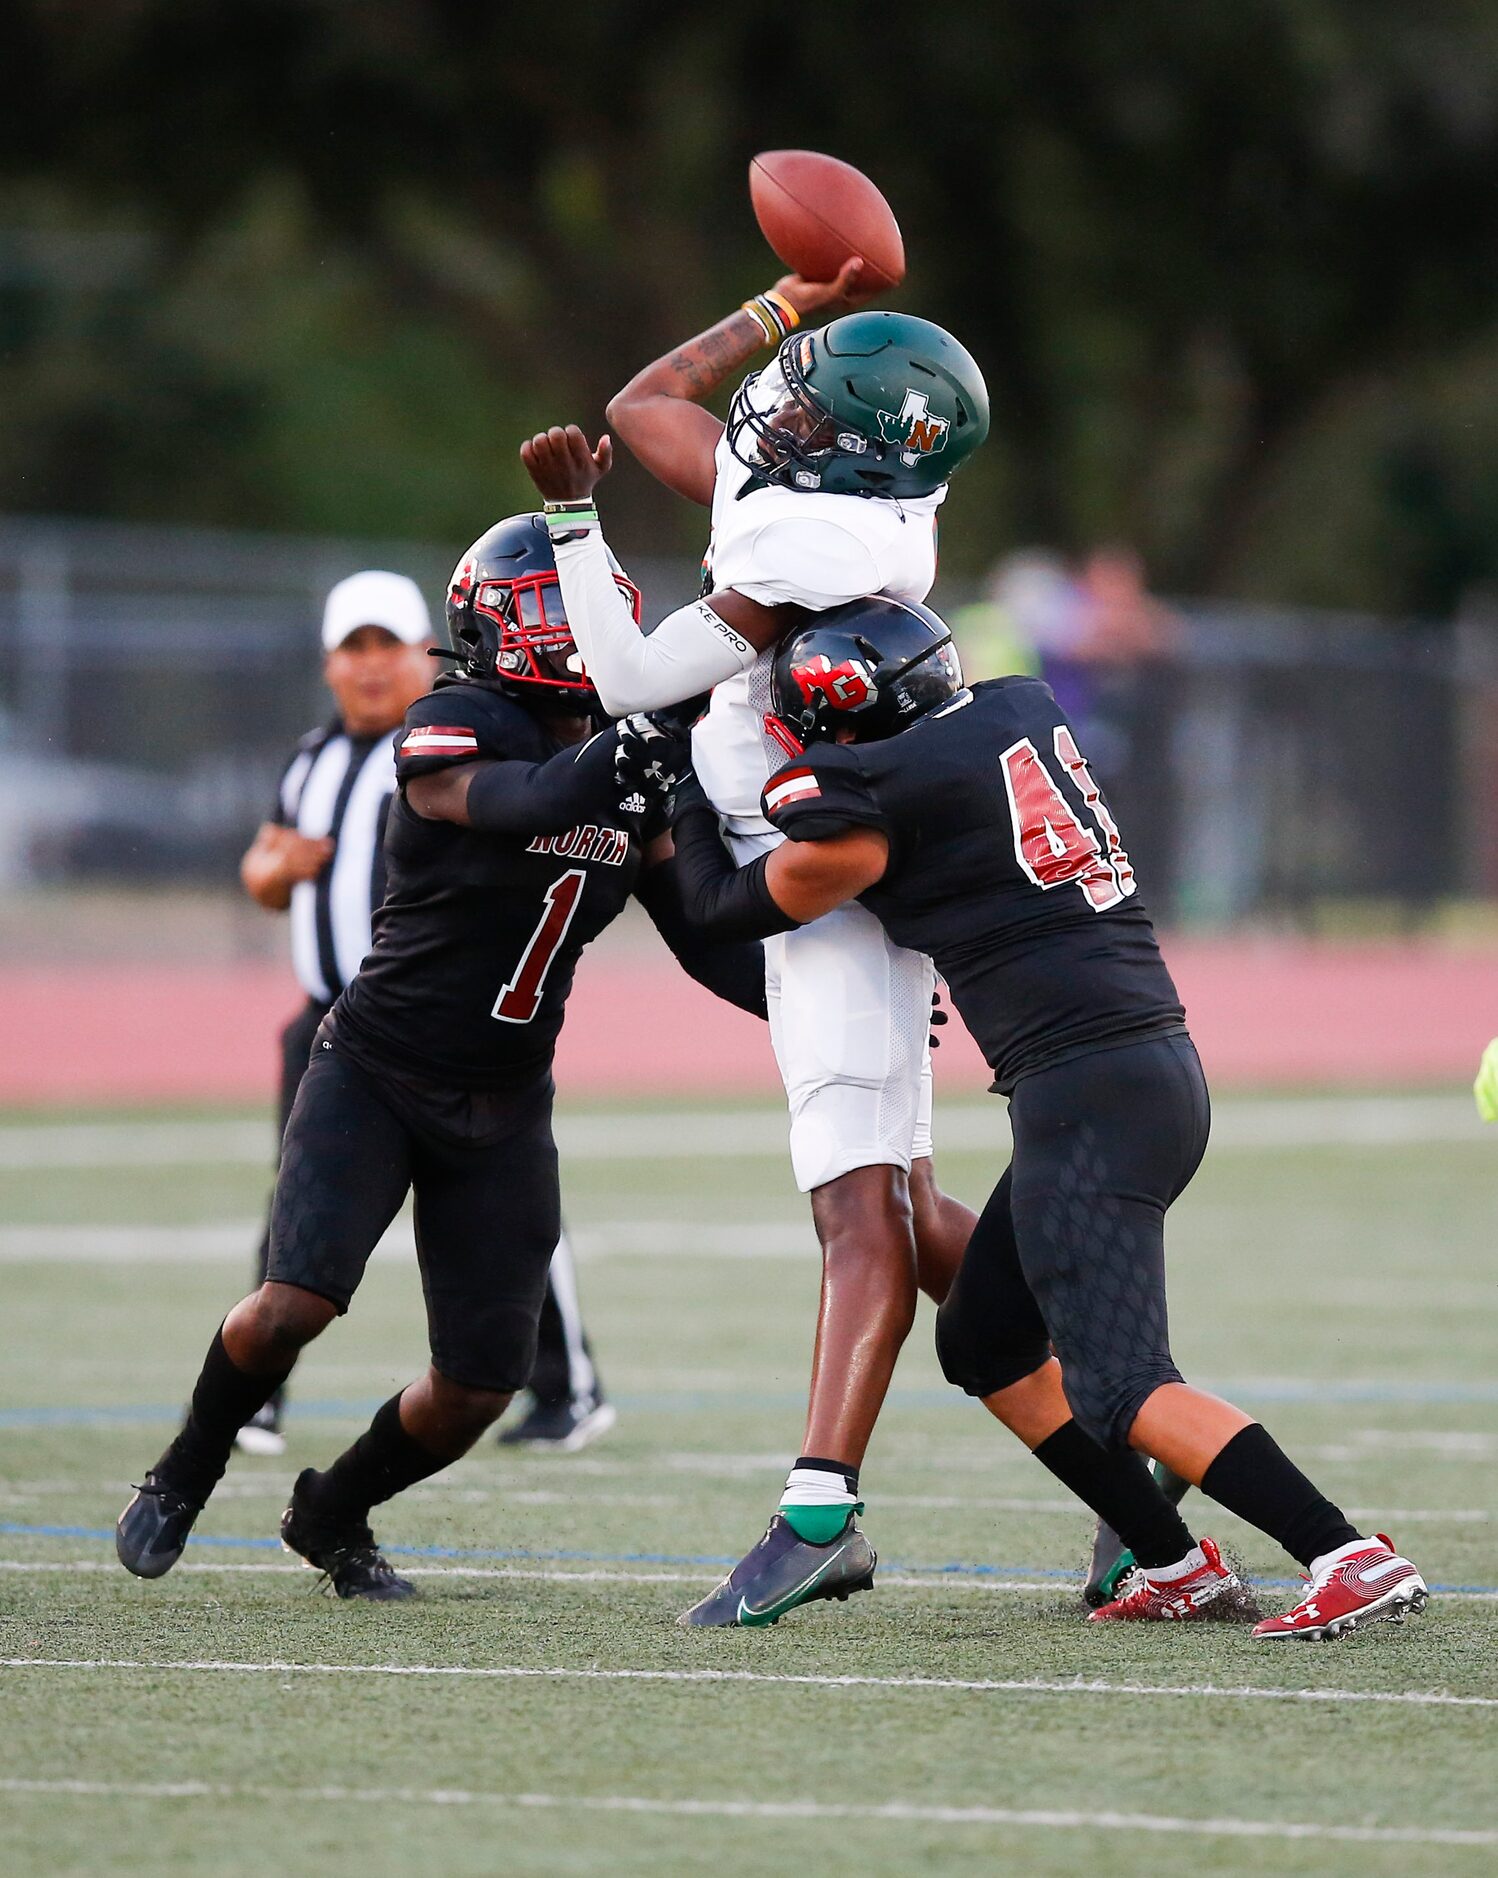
{"x":820,"y":1498}
{"x":819,"y":1525}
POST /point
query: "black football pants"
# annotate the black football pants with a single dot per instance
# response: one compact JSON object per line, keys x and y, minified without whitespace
{"x":564,"y":1356}
{"x":1069,"y":1253}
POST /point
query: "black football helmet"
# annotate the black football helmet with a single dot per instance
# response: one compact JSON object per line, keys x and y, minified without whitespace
{"x":506,"y":617}
{"x":875,"y":666}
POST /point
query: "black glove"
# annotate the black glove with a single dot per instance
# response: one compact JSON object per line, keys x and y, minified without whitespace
{"x":649,"y":761}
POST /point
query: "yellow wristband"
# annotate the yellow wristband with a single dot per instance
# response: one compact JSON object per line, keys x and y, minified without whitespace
{"x":789,"y":317}
{"x":774,"y":314}
{"x":763,"y":319}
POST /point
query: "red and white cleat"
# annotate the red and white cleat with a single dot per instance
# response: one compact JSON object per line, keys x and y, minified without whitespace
{"x":1357,"y":1584}
{"x":1180,"y":1591}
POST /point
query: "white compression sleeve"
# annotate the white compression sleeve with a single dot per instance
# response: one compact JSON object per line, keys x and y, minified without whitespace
{"x":688,"y":653}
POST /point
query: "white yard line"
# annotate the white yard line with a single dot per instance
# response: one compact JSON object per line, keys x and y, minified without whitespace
{"x":17,"y":1490}
{"x":707,"y":1575}
{"x":1243,"y":1123}
{"x":216,"y":1242}
{"x":135,"y":1144}
{"x":1028,"y":1685}
{"x":893,"y":1811}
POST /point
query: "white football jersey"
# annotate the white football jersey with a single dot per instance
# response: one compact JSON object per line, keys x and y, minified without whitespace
{"x":786,"y":545}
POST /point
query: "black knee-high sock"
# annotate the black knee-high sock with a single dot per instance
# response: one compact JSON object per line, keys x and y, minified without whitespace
{"x":223,"y":1400}
{"x":1254,"y":1478}
{"x":1120,"y":1489}
{"x":384,"y":1461}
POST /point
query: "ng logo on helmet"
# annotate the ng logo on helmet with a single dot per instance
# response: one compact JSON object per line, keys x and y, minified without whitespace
{"x":914,"y":427}
{"x":846,"y":687}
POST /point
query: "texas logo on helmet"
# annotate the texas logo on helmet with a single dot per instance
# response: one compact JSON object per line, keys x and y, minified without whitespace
{"x":915,"y":427}
{"x":846,"y":686}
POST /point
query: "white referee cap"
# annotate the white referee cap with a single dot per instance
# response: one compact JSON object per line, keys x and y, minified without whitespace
{"x":374,"y":598}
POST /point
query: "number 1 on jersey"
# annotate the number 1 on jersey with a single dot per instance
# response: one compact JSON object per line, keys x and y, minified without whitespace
{"x":520,"y":999}
{"x":1051,"y":842}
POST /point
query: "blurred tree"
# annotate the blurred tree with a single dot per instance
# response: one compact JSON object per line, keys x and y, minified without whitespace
{"x":359,"y":248}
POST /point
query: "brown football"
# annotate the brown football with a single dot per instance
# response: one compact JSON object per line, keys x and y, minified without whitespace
{"x":816,"y":212}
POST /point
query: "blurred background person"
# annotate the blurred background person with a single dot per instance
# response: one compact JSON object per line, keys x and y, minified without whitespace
{"x":1104,"y":644}
{"x":1129,"y":704}
{"x":994,"y":635}
{"x":321,"y":856}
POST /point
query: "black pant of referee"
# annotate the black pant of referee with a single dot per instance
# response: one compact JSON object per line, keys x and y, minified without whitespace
{"x":567,"y":1408}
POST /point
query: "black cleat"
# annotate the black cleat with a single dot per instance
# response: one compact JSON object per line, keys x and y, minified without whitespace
{"x":783,"y":1571}
{"x":343,"y":1550}
{"x":151,"y":1532}
{"x":564,"y":1427}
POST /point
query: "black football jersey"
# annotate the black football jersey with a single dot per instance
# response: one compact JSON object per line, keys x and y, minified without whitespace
{"x":479,"y":934}
{"x":1006,"y":867}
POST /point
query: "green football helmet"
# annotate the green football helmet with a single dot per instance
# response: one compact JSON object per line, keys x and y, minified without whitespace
{"x":874,"y":404}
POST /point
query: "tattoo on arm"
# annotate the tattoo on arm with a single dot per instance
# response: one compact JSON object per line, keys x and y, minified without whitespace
{"x":701,"y":365}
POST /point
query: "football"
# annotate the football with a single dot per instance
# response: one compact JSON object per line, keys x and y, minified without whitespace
{"x":816,"y":212}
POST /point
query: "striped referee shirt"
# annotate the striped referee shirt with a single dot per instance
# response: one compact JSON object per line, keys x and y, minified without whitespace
{"x":340,"y":786}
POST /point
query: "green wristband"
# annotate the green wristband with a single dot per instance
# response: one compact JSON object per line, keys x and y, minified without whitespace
{"x":570,"y":524}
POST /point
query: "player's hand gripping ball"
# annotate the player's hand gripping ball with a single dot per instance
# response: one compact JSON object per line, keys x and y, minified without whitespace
{"x":818,"y":214}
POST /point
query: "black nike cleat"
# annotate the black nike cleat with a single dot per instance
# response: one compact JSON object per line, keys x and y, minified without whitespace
{"x":151,"y":1532}
{"x":343,"y":1550}
{"x":562,"y":1427}
{"x":782,"y":1571}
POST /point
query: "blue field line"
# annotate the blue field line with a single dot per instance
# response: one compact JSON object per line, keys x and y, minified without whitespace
{"x":521,"y":1555}
{"x":693,"y":1402}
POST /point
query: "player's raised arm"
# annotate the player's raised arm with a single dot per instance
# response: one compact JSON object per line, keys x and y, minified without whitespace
{"x":693,"y":649}
{"x":658,"y":414}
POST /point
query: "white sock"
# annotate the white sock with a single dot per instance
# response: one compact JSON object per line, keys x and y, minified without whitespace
{"x":1183,"y":1568}
{"x":816,"y":1486}
{"x":1329,"y":1561}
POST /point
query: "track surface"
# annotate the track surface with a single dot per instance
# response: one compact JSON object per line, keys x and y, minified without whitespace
{"x":1262,"y":1013}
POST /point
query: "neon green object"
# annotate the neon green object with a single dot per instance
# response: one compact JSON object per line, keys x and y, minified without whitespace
{"x":1486,"y":1086}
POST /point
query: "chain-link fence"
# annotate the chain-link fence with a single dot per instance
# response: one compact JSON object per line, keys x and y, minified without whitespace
{"x":153,"y":682}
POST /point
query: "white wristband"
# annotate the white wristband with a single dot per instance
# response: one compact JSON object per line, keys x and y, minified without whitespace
{"x":691,"y":650}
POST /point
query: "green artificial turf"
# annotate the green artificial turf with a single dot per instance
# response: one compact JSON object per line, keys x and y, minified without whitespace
{"x":1346,"y":1295}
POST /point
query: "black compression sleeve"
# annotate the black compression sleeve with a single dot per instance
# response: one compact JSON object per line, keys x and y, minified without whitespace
{"x":543,"y":798}
{"x":725,"y":901}
{"x":733,"y":970}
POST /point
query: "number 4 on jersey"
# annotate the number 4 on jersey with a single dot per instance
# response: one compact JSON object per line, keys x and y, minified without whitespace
{"x":1053,"y":845}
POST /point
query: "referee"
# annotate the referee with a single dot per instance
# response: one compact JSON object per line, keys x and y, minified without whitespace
{"x":321,"y":855}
